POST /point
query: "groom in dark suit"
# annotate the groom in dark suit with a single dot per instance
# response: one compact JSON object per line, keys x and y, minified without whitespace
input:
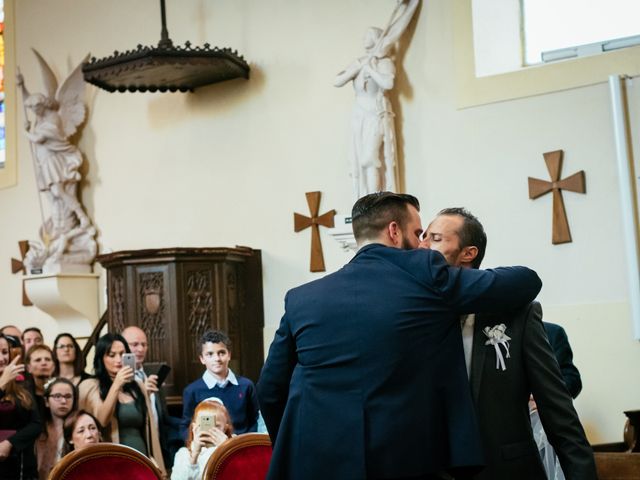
{"x":508,"y":358}
{"x":365,"y":377}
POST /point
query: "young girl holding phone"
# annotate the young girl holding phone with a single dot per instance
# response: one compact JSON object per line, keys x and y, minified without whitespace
{"x":210,"y":426}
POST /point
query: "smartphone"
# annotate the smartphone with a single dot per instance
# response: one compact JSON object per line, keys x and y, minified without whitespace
{"x":129,"y":360}
{"x":206,"y":422}
{"x":162,"y":374}
{"x":13,"y":353}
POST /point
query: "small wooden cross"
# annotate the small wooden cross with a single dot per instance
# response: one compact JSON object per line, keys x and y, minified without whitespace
{"x":300,"y":222}
{"x":18,"y":266}
{"x":574,"y":183}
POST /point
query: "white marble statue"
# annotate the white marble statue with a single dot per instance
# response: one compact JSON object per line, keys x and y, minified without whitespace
{"x":373,"y":153}
{"x":67,"y":235}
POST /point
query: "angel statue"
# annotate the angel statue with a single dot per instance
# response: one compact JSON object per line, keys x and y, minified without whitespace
{"x":373,"y":155}
{"x":67,"y":235}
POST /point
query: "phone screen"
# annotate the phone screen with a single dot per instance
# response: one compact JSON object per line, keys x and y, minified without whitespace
{"x":163,"y":372}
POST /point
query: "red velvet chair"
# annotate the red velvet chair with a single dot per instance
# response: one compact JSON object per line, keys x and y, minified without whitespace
{"x":105,"y":461}
{"x":245,"y":457}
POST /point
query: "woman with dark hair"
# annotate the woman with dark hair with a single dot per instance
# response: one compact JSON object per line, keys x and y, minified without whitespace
{"x":119,"y":402}
{"x":81,"y":429}
{"x":60,"y":400}
{"x":19,"y":421}
{"x":68,"y":359}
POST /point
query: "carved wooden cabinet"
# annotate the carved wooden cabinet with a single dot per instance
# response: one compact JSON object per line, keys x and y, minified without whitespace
{"x":176,"y":294}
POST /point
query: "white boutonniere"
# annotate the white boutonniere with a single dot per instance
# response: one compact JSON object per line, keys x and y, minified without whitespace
{"x":498,"y":337}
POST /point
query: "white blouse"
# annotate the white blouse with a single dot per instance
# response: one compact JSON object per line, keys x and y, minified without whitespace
{"x":182,"y":467}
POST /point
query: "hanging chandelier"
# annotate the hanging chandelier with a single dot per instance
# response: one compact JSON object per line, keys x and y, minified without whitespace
{"x":165,"y":67}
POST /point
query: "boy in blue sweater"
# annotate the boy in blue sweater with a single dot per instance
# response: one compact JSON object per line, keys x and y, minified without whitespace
{"x":237,"y":393}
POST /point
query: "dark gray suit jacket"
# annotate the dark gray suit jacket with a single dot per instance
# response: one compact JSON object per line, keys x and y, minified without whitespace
{"x":501,"y":399}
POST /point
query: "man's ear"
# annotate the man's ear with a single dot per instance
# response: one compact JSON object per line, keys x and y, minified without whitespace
{"x":468,"y":254}
{"x":201,"y":359}
{"x":394,"y":232}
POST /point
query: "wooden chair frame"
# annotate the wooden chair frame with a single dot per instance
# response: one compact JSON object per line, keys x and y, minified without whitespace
{"x":101,"y":450}
{"x":231,"y":446}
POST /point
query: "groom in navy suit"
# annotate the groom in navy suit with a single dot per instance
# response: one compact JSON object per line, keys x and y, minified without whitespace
{"x":365,"y":378}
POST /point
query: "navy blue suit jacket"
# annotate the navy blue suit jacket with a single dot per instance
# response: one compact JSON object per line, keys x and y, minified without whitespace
{"x":562,"y":350}
{"x":366,"y":377}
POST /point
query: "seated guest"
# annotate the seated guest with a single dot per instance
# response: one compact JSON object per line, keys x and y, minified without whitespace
{"x":19,"y":420}
{"x":60,"y":401}
{"x":30,"y":337}
{"x":118,"y":401}
{"x":39,"y":361}
{"x":237,"y":393}
{"x":191,"y":460}
{"x":80,"y":430}
{"x":68,"y":359}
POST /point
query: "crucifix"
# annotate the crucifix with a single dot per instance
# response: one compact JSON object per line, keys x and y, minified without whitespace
{"x":574,"y":183}
{"x":300,"y":222}
{"x":18,"y":266}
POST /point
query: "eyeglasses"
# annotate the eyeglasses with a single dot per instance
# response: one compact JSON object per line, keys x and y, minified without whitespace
{"x":64,"y":347}
{"x":59,"y":396}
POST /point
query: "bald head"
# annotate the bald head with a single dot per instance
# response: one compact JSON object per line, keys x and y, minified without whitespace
{"x":137,"y":340}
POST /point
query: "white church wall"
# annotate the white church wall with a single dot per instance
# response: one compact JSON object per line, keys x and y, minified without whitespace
{"x":229,"y":164}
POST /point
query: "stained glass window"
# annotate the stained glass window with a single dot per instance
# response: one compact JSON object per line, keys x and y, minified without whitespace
{"x":3,"y":149}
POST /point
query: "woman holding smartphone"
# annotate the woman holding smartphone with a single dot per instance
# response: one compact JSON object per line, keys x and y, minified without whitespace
{"x":19,"y":421}
{"x":118,"y":401}
{"x":210,"y":426}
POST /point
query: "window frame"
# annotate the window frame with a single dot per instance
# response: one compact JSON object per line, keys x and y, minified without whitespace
{"x":8,"y":174}
{"x":529,"y":80}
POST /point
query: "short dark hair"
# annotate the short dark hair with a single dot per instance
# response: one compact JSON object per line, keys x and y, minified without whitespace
{"x":215,"y":336}
{"x":373,"y":212}
{"x":471,"y":233}
{"x":32,"y":329}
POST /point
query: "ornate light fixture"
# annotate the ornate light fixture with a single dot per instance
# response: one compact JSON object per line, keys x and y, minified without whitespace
{"x":165,"y":67}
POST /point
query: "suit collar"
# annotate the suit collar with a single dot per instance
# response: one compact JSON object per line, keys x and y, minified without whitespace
{"x":366,"y":248}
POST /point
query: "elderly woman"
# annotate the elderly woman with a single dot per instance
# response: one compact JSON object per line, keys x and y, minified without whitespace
{"x":191,"y":460}
{"x":68,"y":359}
{"x":19,"y":421}
{"x":60,"y":401}
{"x":80,"y":430}
{"x":119,"y":402}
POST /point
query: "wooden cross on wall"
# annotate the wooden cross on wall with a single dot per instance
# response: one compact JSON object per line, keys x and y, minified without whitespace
{"x":18,"y":266}
{"x":300,"y":222}
{"x":574,"y":183}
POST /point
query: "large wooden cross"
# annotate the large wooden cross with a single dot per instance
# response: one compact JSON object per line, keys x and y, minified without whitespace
{"x":574,"y":183}
{"x":18,"y":266}
{"x":300,"y":222}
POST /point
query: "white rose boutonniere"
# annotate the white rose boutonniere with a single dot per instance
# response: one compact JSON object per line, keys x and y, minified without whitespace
{"x":498,"y":337}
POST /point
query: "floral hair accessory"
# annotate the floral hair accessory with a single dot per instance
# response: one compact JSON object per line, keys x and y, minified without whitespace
{"x":498,"y":337}
{"x":49,"y":383}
